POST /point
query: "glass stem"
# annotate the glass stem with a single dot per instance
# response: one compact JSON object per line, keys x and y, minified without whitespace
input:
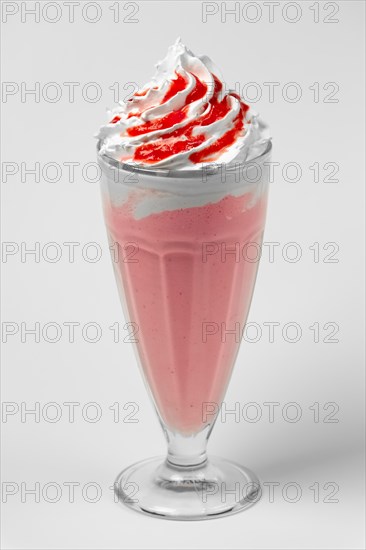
{"x":187,"y":450}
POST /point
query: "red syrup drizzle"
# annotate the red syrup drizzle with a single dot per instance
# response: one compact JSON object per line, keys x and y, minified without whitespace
{"x":176,"y":86}
{"x":209,"y":153}
{"x":155,"y":152}
{"x":182,"y":139}
{"x":169,"y":144}
{"x":198,"y":91}
{"x":172,"y":118}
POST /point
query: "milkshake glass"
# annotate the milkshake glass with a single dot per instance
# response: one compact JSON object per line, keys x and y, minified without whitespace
{"x":188,"y":247}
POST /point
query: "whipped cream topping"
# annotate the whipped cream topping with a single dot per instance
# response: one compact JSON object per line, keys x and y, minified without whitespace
{"x":182,"y":119}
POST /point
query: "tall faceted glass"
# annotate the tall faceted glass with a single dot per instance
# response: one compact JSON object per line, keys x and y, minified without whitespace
{"x":186,"y":247}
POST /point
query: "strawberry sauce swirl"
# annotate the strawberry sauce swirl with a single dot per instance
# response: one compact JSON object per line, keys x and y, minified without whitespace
{"x":182,"y":119}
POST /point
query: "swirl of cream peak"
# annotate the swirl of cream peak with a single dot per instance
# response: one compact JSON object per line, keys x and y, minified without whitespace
{"x":183,"y":119}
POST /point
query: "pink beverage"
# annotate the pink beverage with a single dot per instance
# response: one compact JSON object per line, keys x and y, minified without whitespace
{"x":185,"y":174}
{"x":188,"y":276}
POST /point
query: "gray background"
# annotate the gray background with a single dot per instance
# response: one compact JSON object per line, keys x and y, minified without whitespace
{"x":304,"y":292}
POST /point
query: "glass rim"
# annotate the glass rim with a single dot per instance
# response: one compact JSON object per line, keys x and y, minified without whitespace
{"x":208,"y":170}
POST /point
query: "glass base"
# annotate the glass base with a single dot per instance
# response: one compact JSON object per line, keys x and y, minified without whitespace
{"x":213,"y":489}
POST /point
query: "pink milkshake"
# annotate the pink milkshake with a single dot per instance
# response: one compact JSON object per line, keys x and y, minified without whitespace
{"x":189,"y":286}
{"x":184,"y":186}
